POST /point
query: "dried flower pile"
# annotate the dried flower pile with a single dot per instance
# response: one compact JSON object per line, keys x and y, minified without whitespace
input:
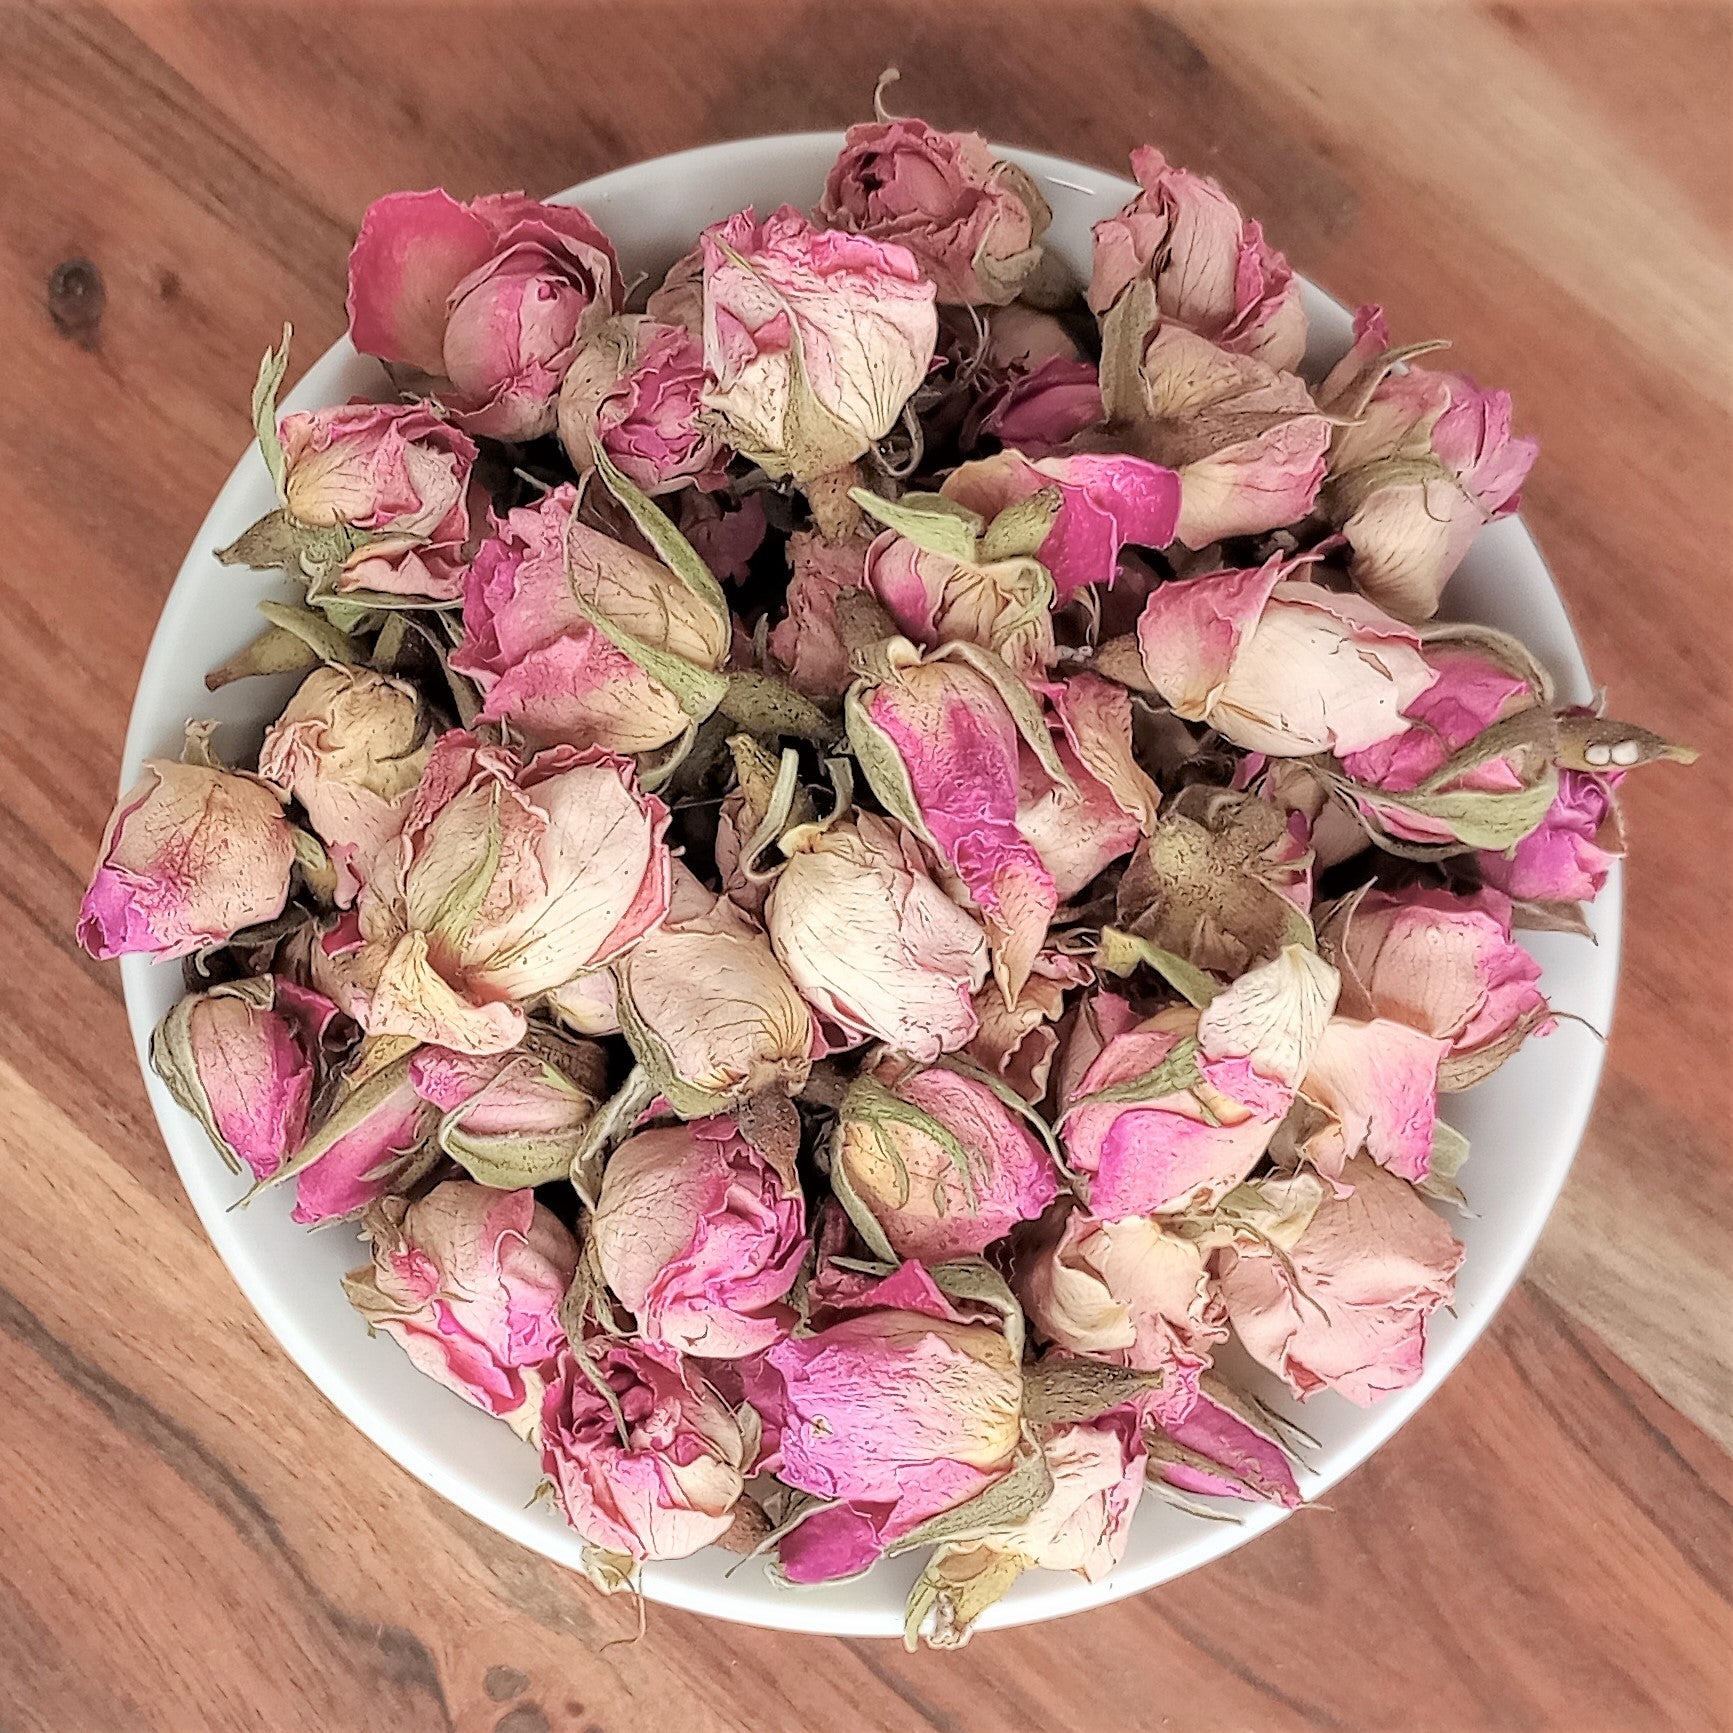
{"x":868,"y":861}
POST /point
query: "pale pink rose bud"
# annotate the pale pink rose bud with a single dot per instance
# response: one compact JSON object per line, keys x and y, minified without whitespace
{"x":1422,"y":462}
{"x":669,"y":1484}
{"x":875,"y":947}
{"x":709,"y":1010}
{"x":1106,"y":500}
{"x":807,"y":641}
{"x":468,"y":1281}
{"x":1127,"y":1291}
{"x":938,"y":1162}
{"x":1443,"y":964}
{"x":634,"y":385}
{"x":898,"y":1414}
{"x":350,"y":747}
{"x":1374,"y":1085}
{"x":1213,"y":271}
{"x":701,"y":1238}
{"x":1566,"y":859}
{"x":492,"y":296}
{"x":813,"y":340}
{"x":1345,"y":1308}
{"x":973,"y":222}
{"x":1216,"y":1449}
{"x":1246,"y":440}
{"x":540,"y":662}
{"x":189,"y":858}
{"x":242,"y":1060}
{"x":396,"y":472}
{"x":1016,"y":1042}
{"x":1278,"y":665}
{"x":509,"y":878}
{"x":680,"y":298}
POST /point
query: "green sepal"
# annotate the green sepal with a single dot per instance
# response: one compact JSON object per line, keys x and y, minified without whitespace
{"x":265,"y":388}
{"x":1120,"y":953}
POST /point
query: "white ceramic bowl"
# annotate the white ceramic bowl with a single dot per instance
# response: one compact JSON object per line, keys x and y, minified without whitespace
{"x":1523,"y":1124}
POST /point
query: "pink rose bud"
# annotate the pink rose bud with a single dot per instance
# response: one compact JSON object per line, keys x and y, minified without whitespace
{"x":1421,"y":463}
{"x":492,"y":296}
{"x":397,"y":474}
{"x":1246,"y":440}
{"x":725,"y":531}
{"x":664,"y":1484}
{"x":1216,"y":1449}
{"x":1375,"y":1086}
{"x":1278,"y":665}
{"x":973,"y":222}
{"x":350,"y":747}
{"x":708,"y":1009}
{"x":680,"y":298}
{"x":945,"y":731}
{"x":189,"y":858}
{"x":1213,"y":271}
{"x":241,"y":1060}
{"x":813,"y":340}
{"x":540,"y":662}
{"x":1041,"y":411}
{"x":1173,"y":1112}
{"x":469,"y":1281}
{"x":1345,"y":1308}
{"x":509,"y":878}
{"x":1105,"y":500}
{"x":701,"y":1238}
{"x":934,"y":1165}
{"x":875,"y":947}
{"x":634,"y":385}
{"x":898,"y":1414}
{"x":1016,"y":1042}
{"x":1443,"y":964}
{"x":1128,"y":1291}
{"x":807,"y":641}
{"x":1566,"y":859}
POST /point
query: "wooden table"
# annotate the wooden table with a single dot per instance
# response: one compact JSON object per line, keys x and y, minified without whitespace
{"x":189,"y":1537}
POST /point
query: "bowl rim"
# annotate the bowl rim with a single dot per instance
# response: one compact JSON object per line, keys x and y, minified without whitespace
{"x":1060,"y":1594}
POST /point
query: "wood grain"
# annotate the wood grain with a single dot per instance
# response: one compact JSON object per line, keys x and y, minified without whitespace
{"x":189,"y":1537}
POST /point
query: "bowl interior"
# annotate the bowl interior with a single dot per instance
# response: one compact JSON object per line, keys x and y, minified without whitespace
{"x":1523,"y":1124}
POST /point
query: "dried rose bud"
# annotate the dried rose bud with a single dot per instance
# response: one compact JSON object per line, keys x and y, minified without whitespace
{"x":634,"y":385}
{"x":1419,"y":465}
{"x":1217,"y":1450}
{"x":509,"y":878}
{"x":807,"y":641}
{"x":875,"y":947}
{"x":1373,"y":1088}
{"x":1345,"y":1307}
{"x":1278,"y":665}
{"x":814,"y":340}
{"x":1443,"y":964}
{"x":1035,"y":390}
{"x":397,"y":474}
{"x":701,"y":1238}
{"x":663,"y":1484}
{"x":1212,"y":270}
{"x":1566,"y":857}
{"x":468,"y":1281}
{"x":241,"y":1059}
{"x":1130,"y":1291}
{"x":725,"y":531}
{"x":933,"y":1164}
{"x":1016,"y":1042}
{"x":492,"y":296}
{"x":190,"y":856}
{"x":542,"y":663}
{"x":350,"y":746}
{"x":973,"y":222}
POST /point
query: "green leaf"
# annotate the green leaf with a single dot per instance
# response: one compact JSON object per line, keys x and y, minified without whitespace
{"x":274,"y":651}
{"x":265,"y":388}
{"x":272,"y":544}
{"x":1120,"y":953}
{"x":659,"y":530}
{"x":771,"y":708}
{"x":508,"y":1161}
{"x":313,"y":629}
{"x":929,"y":520}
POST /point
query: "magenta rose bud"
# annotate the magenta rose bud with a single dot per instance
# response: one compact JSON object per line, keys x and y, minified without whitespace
{"x":1213,"y":271}
{"x":973,"y":222}
{"x":633,"y":388}
{"x":468,"y":1281}
{"x":492,"y":297}
{"x":541,"y":663}
{"x":1345,"y":1308}
{"x":1566,"y":858}
{"x":654,"y":1468}
{"x":701,"y":1239}
{"x":398,"y":474}
{"x":189,"y":858}
{"x":1215,"y":1449}
{"x":813,"y":340}
{"x":937,"y":1162}
{"x":373,"y":1136}
{"x":1278,"y":665}
{"x":510,"y":877}
{"x":873,"y":944}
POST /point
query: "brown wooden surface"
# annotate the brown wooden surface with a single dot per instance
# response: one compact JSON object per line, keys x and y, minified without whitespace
{"x":189,"y":1537}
